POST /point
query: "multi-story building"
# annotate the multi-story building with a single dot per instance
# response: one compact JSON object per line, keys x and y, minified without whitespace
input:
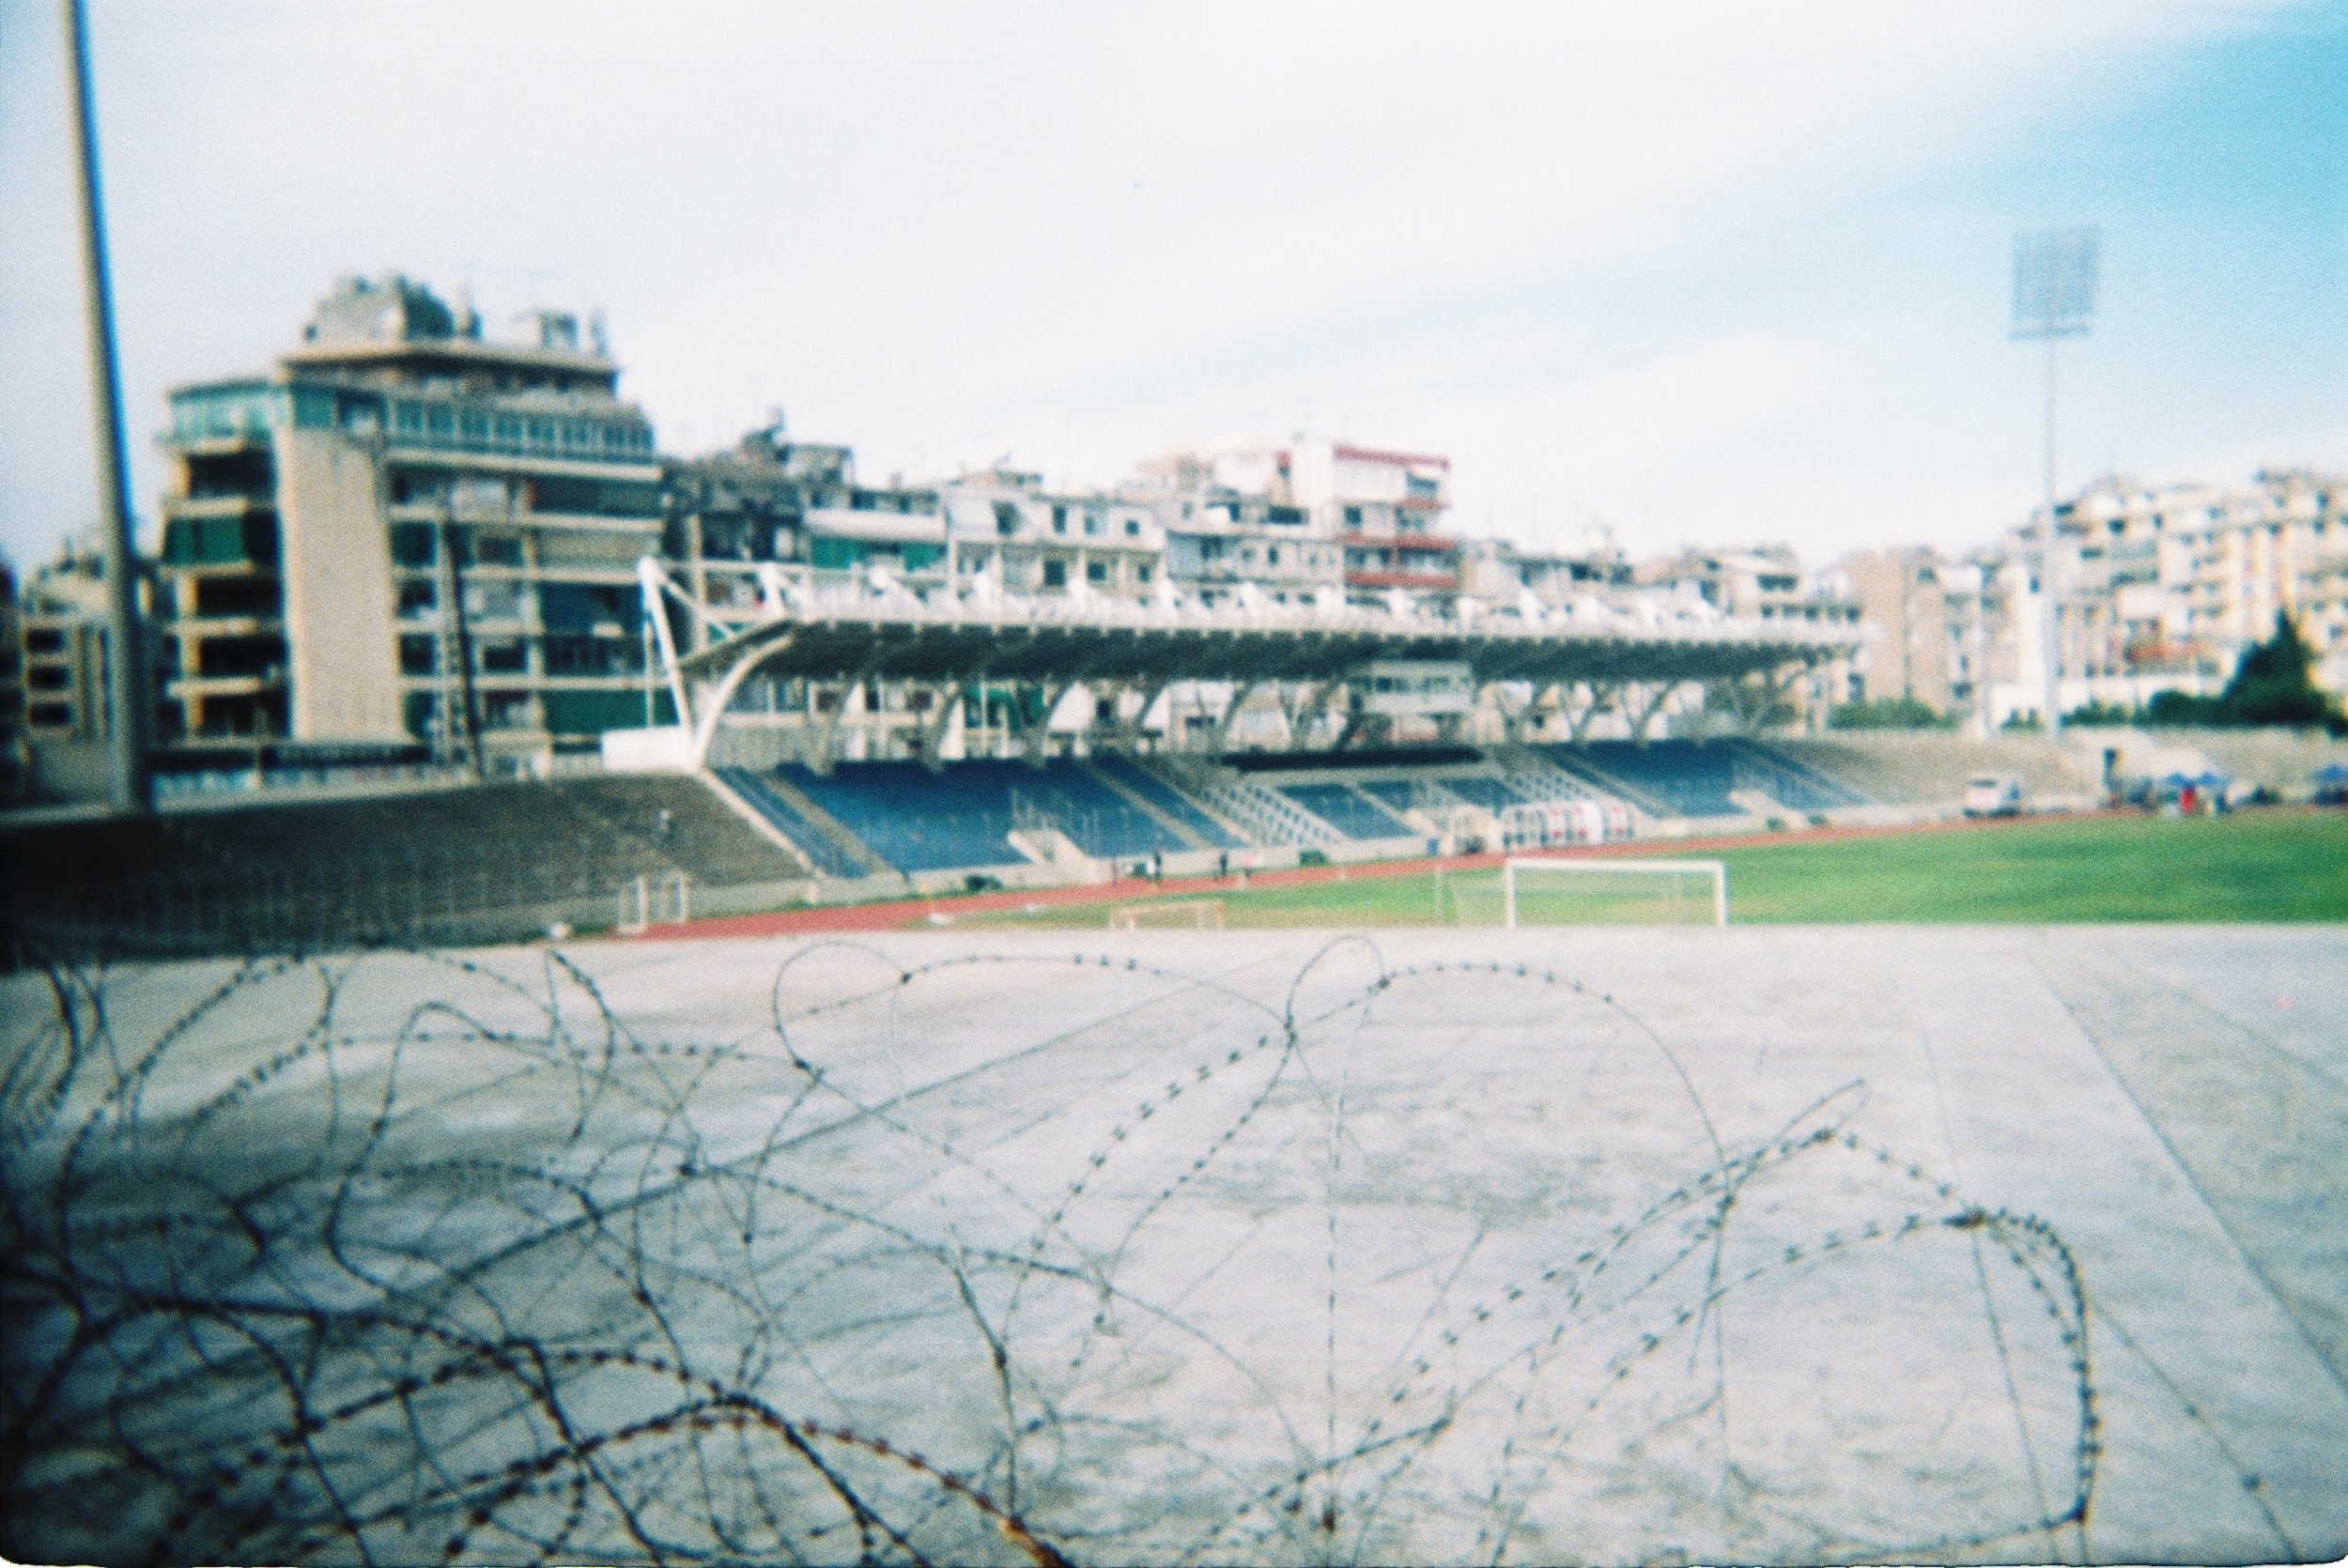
{"x":405,"y":532}
{"x":1386,"y":509}
{"x":61,"y":619}
{"x":1234,"y":531}
{"x":14,"y":764}
{"x":1936,"y":624}
{"x":1002,"y":527}
{"x":56,"y":654}
{"x":1501,"y":571}
{"x":2162,"y":588}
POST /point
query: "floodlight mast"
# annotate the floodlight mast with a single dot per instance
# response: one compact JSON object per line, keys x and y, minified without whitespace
{"x":132,"y":786}
{"x":2054,"y":297}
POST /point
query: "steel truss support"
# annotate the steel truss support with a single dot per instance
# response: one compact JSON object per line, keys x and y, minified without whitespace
{"x":1220,"y":730}
{"x":1035,"y":735}
{"x":1751,"y":699}
{"x":1598,"y":697}
{"x":1654,"y":694}
{"x":929,"y":734}
{"x":1120,"y":732}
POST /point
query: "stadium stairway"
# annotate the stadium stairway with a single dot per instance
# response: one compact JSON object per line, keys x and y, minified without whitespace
{"x":1573,"y":761}
{"x":1351,"y":812}
{"x":1254,"y":814}
{"x":1188,"y":837}
{"x":685,"y":823}
{"x":1788,"y":780}
{"x":1148,"y":789}
{"x":828,"y":847}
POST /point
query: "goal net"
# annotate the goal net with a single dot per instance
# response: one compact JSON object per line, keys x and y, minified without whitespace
{"x":1194,"y":915}
{"x":1543,"y":891}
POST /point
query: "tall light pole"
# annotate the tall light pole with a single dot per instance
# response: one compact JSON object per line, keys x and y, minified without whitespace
{"x":2054,"y":297}
{"x":131,"y":788}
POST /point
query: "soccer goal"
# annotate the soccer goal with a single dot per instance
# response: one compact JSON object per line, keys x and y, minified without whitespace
{"x":1189,"y":915}
{"x":1543,"y":890}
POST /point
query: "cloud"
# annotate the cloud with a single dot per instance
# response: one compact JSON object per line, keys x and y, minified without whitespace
{"x":1085,"y":233}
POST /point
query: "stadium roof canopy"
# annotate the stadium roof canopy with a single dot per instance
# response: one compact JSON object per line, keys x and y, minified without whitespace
{"x":912,"y":639}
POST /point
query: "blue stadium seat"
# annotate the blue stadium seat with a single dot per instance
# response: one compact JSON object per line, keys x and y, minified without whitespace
{"x":1395,"y":794}
{"x":1791,"y":780}
{"x":1692,"y":777}
{"x":821,"y":854}
{"x":1160,"y":794}
{"x":1339,"y":806}
{"x":1493,"y":794}
{"x":920,"y":820}
{"x":964,"y":814}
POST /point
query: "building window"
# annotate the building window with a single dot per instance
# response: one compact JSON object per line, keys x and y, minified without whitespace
{"x":1093,"y":524}
{"x":503,"y":658}
{"x":1059,"y":519}
{"x":1096,"y":571}
{"x":1352,"y":516}
{"x":419,"y":655}
{"x":1132,"y":527}
{"x":418,"y":598}
{"x":1056,"y":573}
{"x":50,"y":715}
{"x":497,"y":549}
{"x":1142,"y":573}
{"x":412,"y":544}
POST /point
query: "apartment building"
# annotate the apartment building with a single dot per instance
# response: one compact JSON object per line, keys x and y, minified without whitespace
{"x":405,"y":532}
{"x":1005,"y":531}
{"x":1234,"y":531}
{"x":1936,"y":628}
{"x":1386,"y":511}
{"x":2164,"y":588}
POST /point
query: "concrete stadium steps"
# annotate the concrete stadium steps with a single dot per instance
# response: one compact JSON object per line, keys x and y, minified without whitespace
{"x":1539,"y":779}
{"x":1930,"y":768}
{"x":827,"y":846}
{"x":2281,"y":760}
{"x":702,"y":836}
{"x":428,"y":865}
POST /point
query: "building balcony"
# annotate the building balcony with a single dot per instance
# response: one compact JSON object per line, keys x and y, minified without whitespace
{"x":189,"y":628}
{"x":1436,"y":582}
{"x":225,"y":685}
{"x":213,"y":506}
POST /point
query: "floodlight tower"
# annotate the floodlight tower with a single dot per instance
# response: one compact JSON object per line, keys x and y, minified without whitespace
{"x":132,"y":788}
{"x":2054,"y":297}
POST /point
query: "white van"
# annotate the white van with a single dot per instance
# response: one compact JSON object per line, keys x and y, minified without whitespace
{"x":1993,"y":794}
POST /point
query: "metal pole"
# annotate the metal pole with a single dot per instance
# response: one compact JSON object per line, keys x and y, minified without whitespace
{"x":131,"y":788}
{"x":2048,"y":614}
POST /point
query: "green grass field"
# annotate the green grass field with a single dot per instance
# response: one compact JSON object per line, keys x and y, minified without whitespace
{"x":2263,"y":865}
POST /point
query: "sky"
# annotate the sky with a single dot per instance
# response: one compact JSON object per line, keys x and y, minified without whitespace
{"x":1704,"y":274}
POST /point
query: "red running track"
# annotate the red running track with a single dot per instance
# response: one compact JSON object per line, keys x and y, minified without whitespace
{"x":916,"y":913}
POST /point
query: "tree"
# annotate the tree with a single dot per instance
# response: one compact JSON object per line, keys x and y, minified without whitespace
{"x":2271,"y":685}
{"x":1886,"y":713}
